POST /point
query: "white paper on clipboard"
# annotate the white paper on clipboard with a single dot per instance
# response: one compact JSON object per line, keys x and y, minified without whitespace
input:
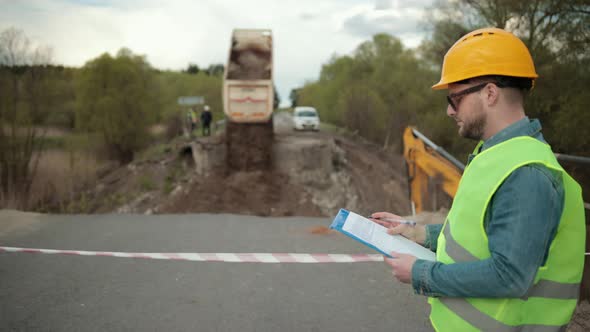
{"x":376,"y":237}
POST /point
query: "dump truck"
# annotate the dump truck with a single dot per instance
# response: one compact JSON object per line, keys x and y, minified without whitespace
{"x":248,"y":100}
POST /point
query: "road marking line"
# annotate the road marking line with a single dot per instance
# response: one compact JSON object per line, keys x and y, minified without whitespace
{"x":211,"y":257}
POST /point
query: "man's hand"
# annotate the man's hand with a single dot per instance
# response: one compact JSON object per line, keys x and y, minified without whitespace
{"x":401,"y":266}
{"x":415,"y":233}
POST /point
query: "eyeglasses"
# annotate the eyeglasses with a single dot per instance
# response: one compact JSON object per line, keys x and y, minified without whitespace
{"x":464,"y":93}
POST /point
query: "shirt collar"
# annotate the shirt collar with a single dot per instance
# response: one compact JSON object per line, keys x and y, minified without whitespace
{"x":523,"y":127}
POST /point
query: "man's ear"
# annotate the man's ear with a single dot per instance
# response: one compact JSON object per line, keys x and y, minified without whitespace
{"x":492,"y":94}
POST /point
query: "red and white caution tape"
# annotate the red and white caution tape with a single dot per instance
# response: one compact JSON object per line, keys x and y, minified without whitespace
{"x":213,"y":257}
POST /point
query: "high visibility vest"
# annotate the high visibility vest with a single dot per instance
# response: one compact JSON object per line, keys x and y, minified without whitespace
{"x":550,"y":302}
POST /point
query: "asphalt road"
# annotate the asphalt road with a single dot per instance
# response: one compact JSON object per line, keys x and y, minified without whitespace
{"x":41,"y":292}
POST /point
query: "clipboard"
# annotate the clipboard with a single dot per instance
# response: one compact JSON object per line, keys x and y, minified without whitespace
{"x":375,"y":236}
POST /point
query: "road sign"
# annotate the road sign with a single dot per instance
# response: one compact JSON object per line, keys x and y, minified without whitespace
{"x":191,"y":100}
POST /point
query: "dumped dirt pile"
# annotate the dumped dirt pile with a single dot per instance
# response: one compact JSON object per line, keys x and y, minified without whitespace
{"x":312,"y":174}
{"x":250,"y":64}
{"x":249,"y":146}
{"x":250,"y":60}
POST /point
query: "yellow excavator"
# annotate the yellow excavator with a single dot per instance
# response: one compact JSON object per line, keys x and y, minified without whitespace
{"x":431,"y":169}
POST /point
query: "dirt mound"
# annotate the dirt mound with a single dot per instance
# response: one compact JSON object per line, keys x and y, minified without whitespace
{"x":378,"y":175}
{"x":252,"y":193}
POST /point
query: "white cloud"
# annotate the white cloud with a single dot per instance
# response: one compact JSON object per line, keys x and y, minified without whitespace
{"x":383,"y":4}
{"x":177,"y":32}
{"x":367,"y":25}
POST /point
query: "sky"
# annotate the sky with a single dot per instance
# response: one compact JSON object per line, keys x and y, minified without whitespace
{"x":174,"y":33}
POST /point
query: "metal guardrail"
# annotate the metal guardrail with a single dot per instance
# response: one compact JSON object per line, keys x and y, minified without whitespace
{"x":575,"y":159}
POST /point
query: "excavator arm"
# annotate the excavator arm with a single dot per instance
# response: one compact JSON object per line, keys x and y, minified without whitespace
{"x":428,"y":165}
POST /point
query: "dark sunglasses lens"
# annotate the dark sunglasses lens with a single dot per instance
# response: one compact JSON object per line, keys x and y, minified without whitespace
{"x":451,"y":103}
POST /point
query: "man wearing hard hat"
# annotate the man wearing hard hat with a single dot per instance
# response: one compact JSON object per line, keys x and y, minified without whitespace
{"x":510,"y":254}
{"x":206,"y":118}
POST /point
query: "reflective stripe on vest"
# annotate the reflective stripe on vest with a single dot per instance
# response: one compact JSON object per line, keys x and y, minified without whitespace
{"x":454,"y":250}
{"x":484,"y":322}
{"x":544,"y":288}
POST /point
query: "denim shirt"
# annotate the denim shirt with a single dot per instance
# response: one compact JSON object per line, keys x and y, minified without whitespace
{"x":521,"y":221}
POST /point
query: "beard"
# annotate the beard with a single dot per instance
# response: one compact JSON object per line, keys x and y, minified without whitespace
{"x":473,"y":127}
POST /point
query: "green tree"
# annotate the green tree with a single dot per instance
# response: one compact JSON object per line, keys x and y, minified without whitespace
{"x":551,"y":29}
{"x":293,"y":96}
{"x":192,"y":69}
{"x":215,"y":70}
{"x":377,"y":91}
{"x":24,"y":102}
{"x":444,"y":34}
{"x":62,"y":113}
{"x":117,"y":98}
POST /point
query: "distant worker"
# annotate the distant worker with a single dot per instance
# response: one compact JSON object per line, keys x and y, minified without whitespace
{"x":191,"y":119}
{"x":510,"y":254}
{"x":206,"y":118}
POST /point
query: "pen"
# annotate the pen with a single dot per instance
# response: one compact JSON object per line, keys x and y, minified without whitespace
{"x":401,"y":221}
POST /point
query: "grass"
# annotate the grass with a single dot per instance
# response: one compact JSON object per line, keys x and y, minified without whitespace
{"x":331,"y":128}
{"x":60,"y":174}
{"x":174,"y":173}
{"x":168,"y":186}
{"x":115,"y":200}
{"x":80,"y":205}
{"x":71,"y":141}
{"x":214,"y":128}
{"x":155,"y":151}
{"x":68,"y":162}
{"x":51,"y":143}
{"x":146,"y":183}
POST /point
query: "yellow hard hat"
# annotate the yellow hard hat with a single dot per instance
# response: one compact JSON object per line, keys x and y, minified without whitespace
{"x":488,"y":51}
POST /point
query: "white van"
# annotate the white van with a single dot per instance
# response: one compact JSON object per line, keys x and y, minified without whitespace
{"x":306,"y":117}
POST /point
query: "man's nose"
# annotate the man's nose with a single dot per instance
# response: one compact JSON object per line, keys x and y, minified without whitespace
{"x":450,"y":111}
